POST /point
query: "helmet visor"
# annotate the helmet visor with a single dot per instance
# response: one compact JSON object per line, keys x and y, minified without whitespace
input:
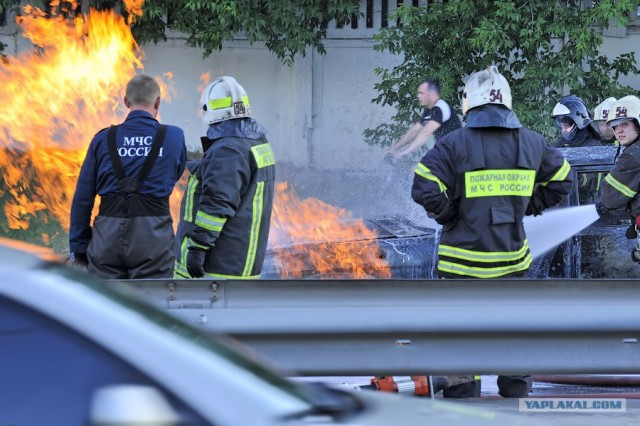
{"x":613,"y":123}
{"x":564,"y":122}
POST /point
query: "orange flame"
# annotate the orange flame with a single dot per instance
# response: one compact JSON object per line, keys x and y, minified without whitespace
{"x":134,"y":8}
{"x":55,"y":98}
{"x":311,"y":235}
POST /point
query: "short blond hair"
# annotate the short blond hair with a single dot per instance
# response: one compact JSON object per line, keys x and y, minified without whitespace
{"x":142,"y":89}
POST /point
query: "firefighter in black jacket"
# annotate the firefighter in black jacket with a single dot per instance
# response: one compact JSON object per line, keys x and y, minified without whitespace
{"x":622,"y":185}
{"x":479,"y":182}
{"x":226,"y":208}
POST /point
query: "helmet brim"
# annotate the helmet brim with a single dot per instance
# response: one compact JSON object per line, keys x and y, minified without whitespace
{"x":615,"y":122}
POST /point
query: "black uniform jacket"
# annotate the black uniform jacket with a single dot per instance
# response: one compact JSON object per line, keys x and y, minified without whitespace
{"x":478,"y":182}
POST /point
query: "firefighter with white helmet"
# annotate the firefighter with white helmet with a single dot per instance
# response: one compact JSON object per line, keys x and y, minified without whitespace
{"x":479,"y":182}
{"x":600,"y":115}
{"x":573,"y":119}
{"x":621,"y":185}
{"x":226,"y":208}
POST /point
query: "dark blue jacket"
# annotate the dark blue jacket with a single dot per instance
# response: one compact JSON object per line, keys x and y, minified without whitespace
{"x":97,"y":176}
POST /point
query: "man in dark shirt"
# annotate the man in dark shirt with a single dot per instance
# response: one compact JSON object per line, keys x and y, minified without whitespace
{"x":438,"y":120}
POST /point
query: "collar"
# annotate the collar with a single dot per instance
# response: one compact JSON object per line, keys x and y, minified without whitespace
{"x":138,"y":113}
{"x":492,"y":116}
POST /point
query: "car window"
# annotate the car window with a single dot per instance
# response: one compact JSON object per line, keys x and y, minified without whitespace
{"x":49,"y":372}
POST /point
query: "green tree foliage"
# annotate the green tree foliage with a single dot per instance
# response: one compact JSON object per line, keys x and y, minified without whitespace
{"x":544,"y":49}
{"x":286,"y":27}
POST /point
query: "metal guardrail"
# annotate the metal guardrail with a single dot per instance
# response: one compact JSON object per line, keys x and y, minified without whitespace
{"x":402,"y":327}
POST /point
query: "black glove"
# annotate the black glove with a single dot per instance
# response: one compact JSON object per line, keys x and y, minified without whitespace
{"x":601,"y":209}
{"x":78,"y":260}
{"x":536,"y":206}
{"x":195,"y":262}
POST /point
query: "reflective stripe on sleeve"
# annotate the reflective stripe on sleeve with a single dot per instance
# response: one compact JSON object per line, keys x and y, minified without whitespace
{"x":424,"y":172}
{"x":620,"y":187}
{"x":209,"y":222}
{"x":561,"y":174}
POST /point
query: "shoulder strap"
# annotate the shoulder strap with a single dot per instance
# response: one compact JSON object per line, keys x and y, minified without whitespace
{"x":158,"y":140}
{"x":113,"y":153}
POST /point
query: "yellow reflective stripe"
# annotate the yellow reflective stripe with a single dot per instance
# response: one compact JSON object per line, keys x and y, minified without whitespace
{"x":599,"y":181}
{"x":232,"y":277}
{"x":225,"y":102}
{"x":503,"y":182}
{"x":263,"y":155}
{"x":620,"y":187}
{"x":423,"y":171}
{"x":560,"y":175}
{"x":191,"y":243}
{"x":180,"y":271}
{"x":258,"y":200}
{"x":483,"y":256}
{"x":584,"y":179}
{"x":478,"y":272}
{"x":188,"y":203}
{"x":477,"y":377}
{"x":209,"y":222}
{"x":184,"y":247}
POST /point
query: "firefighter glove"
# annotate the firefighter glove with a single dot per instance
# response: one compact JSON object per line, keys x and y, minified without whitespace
{"x":195,"y":262}
{"x":536,"y":206}
{"x":448,"y":212}
{"x":601,"y":209}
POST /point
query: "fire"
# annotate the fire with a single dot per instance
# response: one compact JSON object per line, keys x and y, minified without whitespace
{"x":54,"y":99}
{"x":310,"y":235}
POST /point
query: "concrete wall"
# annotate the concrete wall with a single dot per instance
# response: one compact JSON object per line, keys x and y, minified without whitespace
{"x":315,"y":111}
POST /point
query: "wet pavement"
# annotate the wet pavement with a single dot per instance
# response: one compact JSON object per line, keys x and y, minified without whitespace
{"x":492,"y":402}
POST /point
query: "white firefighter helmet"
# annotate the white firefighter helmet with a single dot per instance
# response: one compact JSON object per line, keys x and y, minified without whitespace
{"x":486,"y":87}
{"x":625,"y":109}
{"x":601,"y":112}
{"x":224,"y":99}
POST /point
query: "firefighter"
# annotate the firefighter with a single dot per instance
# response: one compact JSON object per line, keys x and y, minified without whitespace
{"x":133,"y":167}
{"x":573,"y":119}
{"x":600,"y":114}
{"x":621,"y":185}
{"x":576,"y":130}
{"x":226,"y":209}
{"x":479,"y":182}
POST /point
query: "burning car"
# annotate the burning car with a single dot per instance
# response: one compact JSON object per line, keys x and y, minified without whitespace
{"x":408,"y":249}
